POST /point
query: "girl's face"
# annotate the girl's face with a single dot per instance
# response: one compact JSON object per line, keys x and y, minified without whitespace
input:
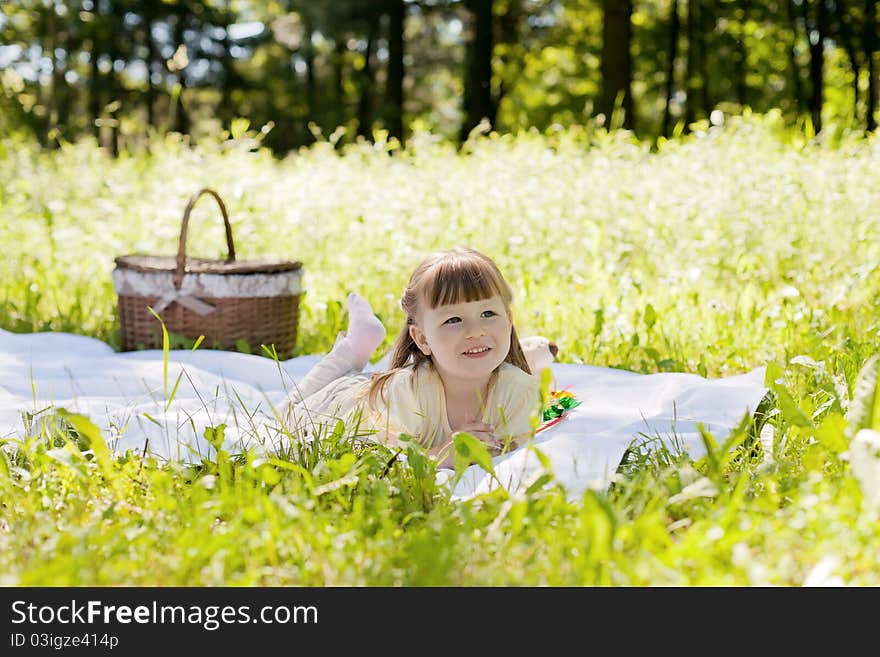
{"x":466,"y":340}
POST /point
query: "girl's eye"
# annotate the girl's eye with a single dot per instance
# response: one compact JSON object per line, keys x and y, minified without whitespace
{"x":485,"y":313}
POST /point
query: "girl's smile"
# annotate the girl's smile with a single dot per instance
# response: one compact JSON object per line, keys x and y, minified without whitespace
{"x":477,"y":352}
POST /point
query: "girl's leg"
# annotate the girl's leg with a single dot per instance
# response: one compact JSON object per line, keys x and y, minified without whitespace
{"x":350,"y":353}
{"x":365,"y":331}
{"x":339,"y":362}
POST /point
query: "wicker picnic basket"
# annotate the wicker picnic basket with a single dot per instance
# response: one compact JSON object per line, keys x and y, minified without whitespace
{"x":232,"y":303}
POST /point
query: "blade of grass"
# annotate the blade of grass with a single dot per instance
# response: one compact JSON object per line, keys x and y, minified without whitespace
{"x":165,"y":348}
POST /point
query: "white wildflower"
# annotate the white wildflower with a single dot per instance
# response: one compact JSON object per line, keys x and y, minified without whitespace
{"x":864,"y":460}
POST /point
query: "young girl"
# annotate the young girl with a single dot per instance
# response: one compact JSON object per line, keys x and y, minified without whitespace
{"x":457,"y":364}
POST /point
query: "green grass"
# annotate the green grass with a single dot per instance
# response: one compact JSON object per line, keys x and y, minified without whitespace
{"x":715,"y":254}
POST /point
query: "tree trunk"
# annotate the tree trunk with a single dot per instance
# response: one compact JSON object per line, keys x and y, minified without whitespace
{"x":616,"y":64}
{"x":338,"y":91}
{"x":48,"y":137}
{"x":690,"y":109}
{"x":229,"y":78}
{"x":797,"y":85}
{"x":849,"y":46}
{"x":478,"y":67}
{"x":394,"y":89}
{"x":741,"y":59}
{"x":871,"y":46}
{"x":674,"y":25}
{"x":181,"y":120}
{"x":707,"y":26}
{"x":311,"y":86}
{"x":113,"y":91}
{"x":65,"y":97}
{"x":150,"y":99}
{"x":816,"y":29}
{"x":95,"y":86}
{"x":365,"y":103}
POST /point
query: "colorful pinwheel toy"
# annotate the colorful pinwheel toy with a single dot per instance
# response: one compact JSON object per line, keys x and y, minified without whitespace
{"x":558,"y":405}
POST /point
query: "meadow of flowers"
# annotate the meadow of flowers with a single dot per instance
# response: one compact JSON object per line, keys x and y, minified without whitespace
{"x":737,"y":246}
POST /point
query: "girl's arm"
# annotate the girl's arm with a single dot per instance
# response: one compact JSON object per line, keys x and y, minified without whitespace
{"x":444,"y":450}
{"x":390,"y":437}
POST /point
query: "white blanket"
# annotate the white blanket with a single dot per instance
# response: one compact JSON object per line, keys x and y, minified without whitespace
{"x":125,"y":395}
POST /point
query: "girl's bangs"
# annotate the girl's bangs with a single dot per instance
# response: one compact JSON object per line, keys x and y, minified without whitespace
{"x":462,"y":281}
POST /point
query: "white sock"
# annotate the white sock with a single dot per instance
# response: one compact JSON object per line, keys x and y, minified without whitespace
{"x":365,"y":331}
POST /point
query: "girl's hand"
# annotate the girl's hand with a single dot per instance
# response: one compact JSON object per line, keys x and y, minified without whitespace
{"x":485,"y":433}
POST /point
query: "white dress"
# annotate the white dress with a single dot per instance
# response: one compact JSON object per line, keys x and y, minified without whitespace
{"x":414,"y":403}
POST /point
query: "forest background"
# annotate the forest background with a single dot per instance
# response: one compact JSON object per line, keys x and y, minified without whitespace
{"x":730,"y":223}
{"x":122,"y":70}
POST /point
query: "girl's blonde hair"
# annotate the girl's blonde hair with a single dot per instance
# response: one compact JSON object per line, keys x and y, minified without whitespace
{"x":458,"y":275}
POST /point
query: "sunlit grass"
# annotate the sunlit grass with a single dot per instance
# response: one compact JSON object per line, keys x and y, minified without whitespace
{"x":732,"y":249}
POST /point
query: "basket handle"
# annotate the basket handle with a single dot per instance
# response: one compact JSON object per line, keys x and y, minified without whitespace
{"x":181,"y":248}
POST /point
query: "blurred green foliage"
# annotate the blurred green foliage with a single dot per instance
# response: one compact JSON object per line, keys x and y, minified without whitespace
{"x":128,"y":72}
